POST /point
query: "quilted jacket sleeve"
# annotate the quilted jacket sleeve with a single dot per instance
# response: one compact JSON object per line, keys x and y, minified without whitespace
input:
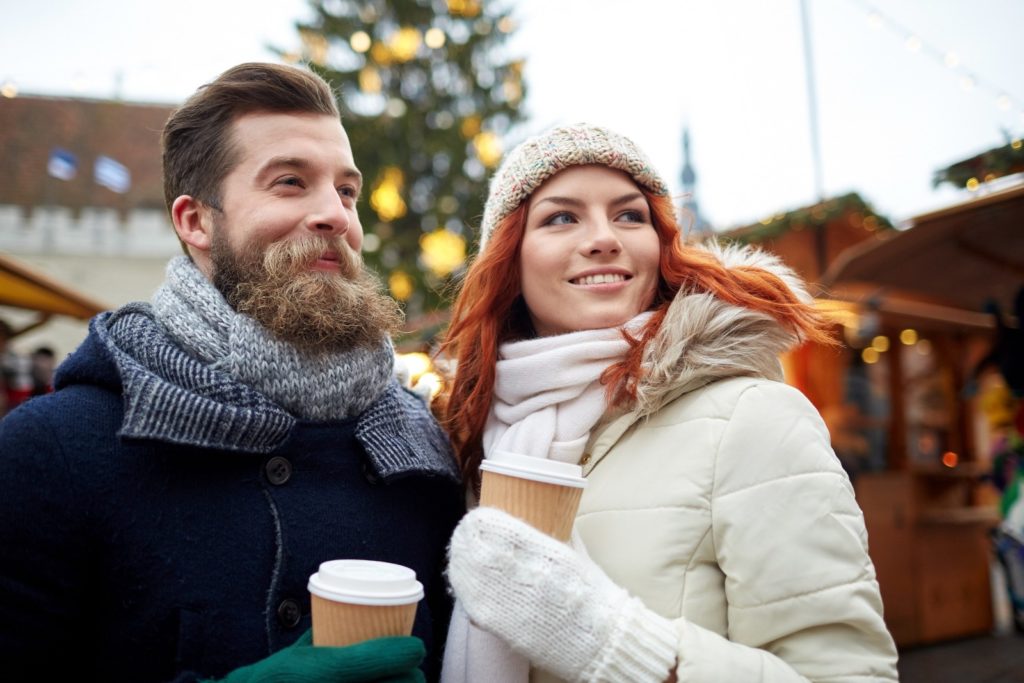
{"x":803,"y":601}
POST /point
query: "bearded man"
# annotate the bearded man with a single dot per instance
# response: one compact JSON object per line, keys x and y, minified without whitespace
{"x":202,"y":454}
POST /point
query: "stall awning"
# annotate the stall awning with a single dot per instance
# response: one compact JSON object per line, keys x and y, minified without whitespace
{"x":962,"y":256}
{"x":22,"y":286}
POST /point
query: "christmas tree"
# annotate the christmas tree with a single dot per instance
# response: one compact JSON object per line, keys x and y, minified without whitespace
{"x":426,"y":94}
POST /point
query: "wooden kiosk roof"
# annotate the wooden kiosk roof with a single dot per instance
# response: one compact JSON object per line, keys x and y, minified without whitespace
{"x":22,"y":286}
{"x":964,"y":256}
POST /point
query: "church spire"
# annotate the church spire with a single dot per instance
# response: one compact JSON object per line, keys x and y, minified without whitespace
{"x":698,"y":226}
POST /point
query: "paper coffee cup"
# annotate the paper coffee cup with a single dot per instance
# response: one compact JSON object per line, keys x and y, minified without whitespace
{"x":543,"y":493}
{"x":356,"y":600}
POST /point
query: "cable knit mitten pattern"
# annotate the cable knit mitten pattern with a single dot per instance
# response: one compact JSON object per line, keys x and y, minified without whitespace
{"x":553,"y":605}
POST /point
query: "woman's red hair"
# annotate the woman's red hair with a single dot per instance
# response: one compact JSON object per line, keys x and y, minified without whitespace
{"x":489,"y":311}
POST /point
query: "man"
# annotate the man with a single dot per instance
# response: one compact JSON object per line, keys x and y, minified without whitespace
{"x":163,"y":510}
{"x":43,"y":361}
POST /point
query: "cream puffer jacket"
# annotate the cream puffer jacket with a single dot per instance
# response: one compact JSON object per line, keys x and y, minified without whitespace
{"x":719,"y":502}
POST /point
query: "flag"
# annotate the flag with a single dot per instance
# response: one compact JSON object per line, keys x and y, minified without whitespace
{"x":62,"y":164}
{"x":112,"y":174}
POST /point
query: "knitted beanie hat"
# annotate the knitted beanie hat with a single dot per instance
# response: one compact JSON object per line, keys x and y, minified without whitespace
{"x":531,"y":163}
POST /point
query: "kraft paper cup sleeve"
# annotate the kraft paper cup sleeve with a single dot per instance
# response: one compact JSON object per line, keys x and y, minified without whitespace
{"x":544,"y":493}
{"x":356,"y":600}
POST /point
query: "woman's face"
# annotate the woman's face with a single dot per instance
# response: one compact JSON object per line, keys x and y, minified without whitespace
{"x":590,"y":254}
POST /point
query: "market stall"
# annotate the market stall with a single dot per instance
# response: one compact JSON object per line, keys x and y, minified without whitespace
{"x":939,"y":295}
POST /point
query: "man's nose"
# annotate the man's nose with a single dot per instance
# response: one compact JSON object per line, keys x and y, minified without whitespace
{"x":329,"y":213}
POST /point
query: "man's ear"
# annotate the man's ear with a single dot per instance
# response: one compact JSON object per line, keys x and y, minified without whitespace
{"x":193,"y":223}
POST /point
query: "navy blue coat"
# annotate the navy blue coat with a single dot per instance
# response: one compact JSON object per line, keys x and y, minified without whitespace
{"x":140,"y":560}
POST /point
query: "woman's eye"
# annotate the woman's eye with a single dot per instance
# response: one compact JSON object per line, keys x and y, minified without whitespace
{"x":632,"y":217}
{"x":562,"y":218}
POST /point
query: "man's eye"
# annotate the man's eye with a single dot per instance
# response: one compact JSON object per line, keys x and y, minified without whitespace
{"x":348,"y":191}
{"x":291,"y":181}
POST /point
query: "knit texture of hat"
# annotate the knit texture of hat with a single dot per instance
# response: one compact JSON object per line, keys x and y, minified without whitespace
{"x":537,"y":159}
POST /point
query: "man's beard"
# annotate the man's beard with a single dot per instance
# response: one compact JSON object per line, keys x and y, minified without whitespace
{"x":310,"y":309}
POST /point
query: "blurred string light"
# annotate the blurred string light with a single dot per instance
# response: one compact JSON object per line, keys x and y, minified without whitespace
{"x":386,"y":198}
{"x":969,"y":79}
{"x":416,"y":370}
{"x":464,"y":8}
{"x":360,"y":41}
{"x":401,"y":285}
{"x":314,"y":46}
{"x":434,"y":38}
{"x":369,"y":80}
{"x":400,"y":46}
{"x":9,"y":89}
{"x":442,"y":251}
{"x":488,"y":148}
{"x":404,"y":43}
{"x":880,"y":344}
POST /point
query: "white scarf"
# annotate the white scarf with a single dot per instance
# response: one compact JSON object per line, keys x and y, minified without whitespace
{"x":547,"y":398}
{"x":548,"y":394}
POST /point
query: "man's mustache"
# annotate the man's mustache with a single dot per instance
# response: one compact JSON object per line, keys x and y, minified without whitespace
{"x":300,"y":254}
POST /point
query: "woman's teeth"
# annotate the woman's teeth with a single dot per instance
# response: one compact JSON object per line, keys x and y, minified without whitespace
{"x":601,"y":279}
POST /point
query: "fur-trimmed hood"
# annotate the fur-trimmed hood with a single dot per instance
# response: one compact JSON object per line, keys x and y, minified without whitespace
{"x":703,"y":338}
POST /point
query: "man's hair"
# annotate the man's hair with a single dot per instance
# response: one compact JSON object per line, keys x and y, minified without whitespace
{"x":198,"y":151}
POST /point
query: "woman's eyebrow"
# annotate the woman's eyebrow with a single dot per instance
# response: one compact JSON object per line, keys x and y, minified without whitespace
{"x":571,"y":201}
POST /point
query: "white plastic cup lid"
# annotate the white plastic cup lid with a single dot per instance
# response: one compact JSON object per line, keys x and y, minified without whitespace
{"x":365,"y":582}
{"x":535,"y":469}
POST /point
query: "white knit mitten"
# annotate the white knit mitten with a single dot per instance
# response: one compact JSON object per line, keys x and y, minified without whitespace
{"x":554,"y":606}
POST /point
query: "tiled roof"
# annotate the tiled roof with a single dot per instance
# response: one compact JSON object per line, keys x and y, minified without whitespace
{"x":31,"y":127}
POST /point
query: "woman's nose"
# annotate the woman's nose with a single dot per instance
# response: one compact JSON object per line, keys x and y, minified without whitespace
{"x":601,"y":239}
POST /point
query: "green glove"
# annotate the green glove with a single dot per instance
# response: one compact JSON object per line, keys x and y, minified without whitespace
{"x":392,"y":659}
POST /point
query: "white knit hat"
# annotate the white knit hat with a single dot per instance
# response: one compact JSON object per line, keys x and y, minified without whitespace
{"x":531,"y":163}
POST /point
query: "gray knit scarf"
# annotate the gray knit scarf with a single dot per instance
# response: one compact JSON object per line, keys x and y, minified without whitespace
{"x":171,"y":395}
{"x":312,"y":386}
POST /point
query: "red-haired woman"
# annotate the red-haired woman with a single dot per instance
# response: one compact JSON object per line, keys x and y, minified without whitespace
{"x":718,"y":538}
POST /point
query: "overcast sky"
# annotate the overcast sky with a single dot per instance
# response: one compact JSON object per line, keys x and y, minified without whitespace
{"x":733,"y":70}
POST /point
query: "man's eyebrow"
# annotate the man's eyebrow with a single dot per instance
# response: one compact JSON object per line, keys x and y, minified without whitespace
{"x":354,"y":175}
{"x":275,"y":163}
{"x":301,"y":164}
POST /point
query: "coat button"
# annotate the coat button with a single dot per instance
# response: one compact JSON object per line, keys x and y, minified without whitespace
{"x":585,"y":459}
{"x":278,"y":470}
{"x":288,"y":613}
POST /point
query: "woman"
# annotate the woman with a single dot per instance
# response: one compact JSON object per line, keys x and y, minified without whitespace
{"x":718,"y":538}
